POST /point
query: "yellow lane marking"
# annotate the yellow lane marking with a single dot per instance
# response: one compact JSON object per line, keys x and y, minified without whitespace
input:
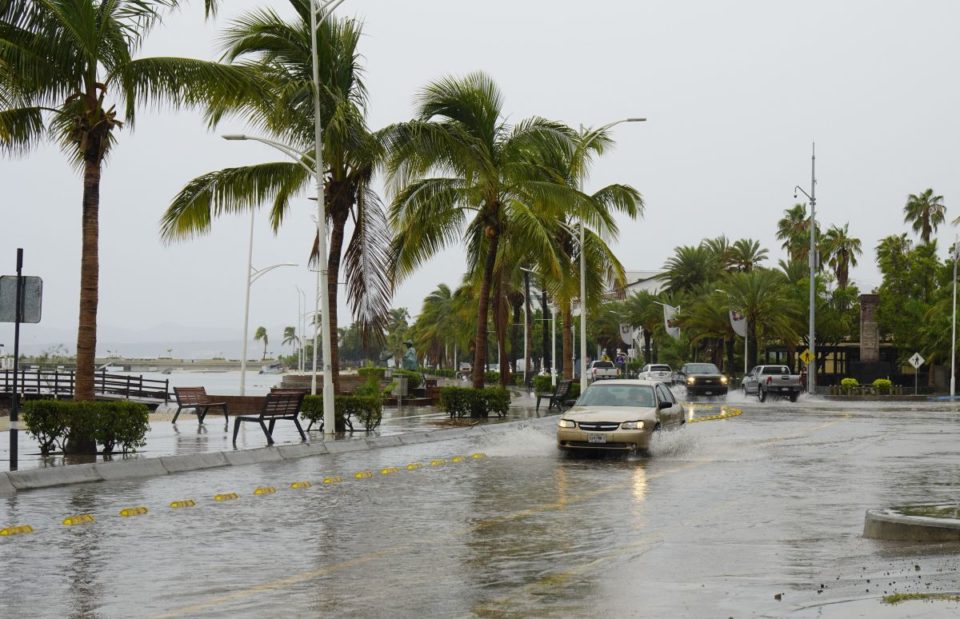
{"x":19,"y":529}
{"x":78,"y":519}
{"x":182,"y":504}
{"x":128,"y":512}
{"x":265,"y":490}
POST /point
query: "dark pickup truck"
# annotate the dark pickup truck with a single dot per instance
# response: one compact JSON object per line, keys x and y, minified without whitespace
{"x":702,"y":379}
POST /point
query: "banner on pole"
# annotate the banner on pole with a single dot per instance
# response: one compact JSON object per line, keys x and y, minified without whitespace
{"x":669,"y":320}
{"x":627,"y":334}
{"x":739,"y":323}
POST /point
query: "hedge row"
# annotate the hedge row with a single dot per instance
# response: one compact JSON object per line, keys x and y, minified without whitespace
{"x":59,"y":423}
{"x":475,"y":403}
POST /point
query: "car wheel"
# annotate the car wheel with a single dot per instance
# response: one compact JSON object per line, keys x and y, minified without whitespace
{"x":794,"y":396}
{"x":761,"y":395}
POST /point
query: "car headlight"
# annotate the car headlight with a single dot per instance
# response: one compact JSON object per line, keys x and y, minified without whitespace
{"x":723,"y":380}
{"x":691,"y":380}
{"x":631,"y":425}
{"x":567,"y":423}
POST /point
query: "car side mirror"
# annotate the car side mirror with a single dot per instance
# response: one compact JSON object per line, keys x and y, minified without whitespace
{"x":665,"y":404}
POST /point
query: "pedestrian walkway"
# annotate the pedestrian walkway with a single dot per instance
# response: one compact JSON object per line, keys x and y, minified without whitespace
{"x":188,"y":437}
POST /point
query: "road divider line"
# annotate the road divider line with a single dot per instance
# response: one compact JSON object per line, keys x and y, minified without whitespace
{"x":71,"y":521}
{"x":19,"y":529}
{"x":129,"y":512}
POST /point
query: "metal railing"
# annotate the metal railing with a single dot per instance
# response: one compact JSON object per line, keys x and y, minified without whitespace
{"x":59,"y":383}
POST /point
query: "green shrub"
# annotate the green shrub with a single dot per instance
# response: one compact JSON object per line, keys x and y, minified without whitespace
{"x":54,"y":423}
{"x":368,"y":409}
{"x":543,"y":384}
{"x":849,"y":382}
{"x":371,"y":373}
{"x":475,"y":403}
{"x":414,"y":379}
{"x":883,"y":385}
{"x":491,"y":378}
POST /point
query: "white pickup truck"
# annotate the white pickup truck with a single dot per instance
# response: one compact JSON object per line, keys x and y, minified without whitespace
{"x":775,"y":380}
{"x":602,"y":370}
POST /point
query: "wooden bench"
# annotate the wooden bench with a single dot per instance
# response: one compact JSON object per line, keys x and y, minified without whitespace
{"x":560,"y":395}
{"x":197,"y":399}
{"x":279,"y":404}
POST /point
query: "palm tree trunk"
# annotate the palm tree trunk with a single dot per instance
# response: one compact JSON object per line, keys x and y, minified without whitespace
{"x":500,"y":329}
{"x":89,"y":274}
{"x":339,"y":216}
{"x":567,"y":341}
{"x":480,"y":341}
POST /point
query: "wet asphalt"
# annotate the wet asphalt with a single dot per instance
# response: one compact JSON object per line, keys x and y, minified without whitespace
{"x":754,"y":516}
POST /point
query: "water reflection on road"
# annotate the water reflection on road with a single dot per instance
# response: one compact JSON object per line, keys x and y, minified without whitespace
{"x":719,"y":519}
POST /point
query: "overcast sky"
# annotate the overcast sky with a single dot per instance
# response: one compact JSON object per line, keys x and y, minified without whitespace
{"x":735,"y":92}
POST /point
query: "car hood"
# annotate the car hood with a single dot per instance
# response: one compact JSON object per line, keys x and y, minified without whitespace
{"x":618,"y":414}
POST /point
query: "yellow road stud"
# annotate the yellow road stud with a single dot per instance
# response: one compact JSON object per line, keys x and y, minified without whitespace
{"x":300,"y":485}
{"x":413,"y":466}
{"x":226,"y":496}
{"x":363,"y":475}
{"x":127,"y":512}
{"x":389,"y":470}
{"x":456,"y":459}
{"x":79,"y":519}
{"x":19,"y":529}
{"x":437,"y":462}
{"x":478,"y":456}
{"x":182,"y":504}
{"x":265,"y":490}
{"x":333,"y":479}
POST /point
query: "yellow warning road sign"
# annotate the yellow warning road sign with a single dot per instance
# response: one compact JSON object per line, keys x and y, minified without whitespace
{"x":806,"y":356}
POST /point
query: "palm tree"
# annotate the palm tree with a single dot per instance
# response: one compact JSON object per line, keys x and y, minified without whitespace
{"x":794,"y":230}
{"x":643,"y":310}
{"x":261,"y":335}
{"x":279,"y":53}
{"x":290,"y":337}
{"x":925,"y":213}
{"x":746,"y":254}
{"x":460,"y":170}
{"x":841,"y":250}
{"x":61,"y":63}
{"x":435,"y":327}
{"x":690,"y":267}
{"x":763,"y":296}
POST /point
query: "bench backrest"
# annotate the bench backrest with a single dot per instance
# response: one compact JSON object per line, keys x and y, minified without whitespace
{"x":563,"y":388}
{"x":190,"y":396}
{"x":283,"y":403}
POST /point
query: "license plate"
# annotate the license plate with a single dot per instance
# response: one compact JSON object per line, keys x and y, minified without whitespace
{"x":595,"y":437}
{"x":708,"y":392}
{"x":784,"y":388}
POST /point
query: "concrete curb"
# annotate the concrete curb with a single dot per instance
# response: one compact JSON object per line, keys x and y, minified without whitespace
{"x":888,"y":524}
{"x":139,"y":468}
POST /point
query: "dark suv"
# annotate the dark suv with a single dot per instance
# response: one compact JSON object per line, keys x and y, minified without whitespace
{"x":702,"y":379}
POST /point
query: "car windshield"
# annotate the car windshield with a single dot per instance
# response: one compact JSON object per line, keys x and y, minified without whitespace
{"x":617,"y":395}
{"x":659,"y":368}
{"x":701,"y":368}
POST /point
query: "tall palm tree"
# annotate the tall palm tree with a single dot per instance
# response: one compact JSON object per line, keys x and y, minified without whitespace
{"x":290,"y":337}
{"x":924,"y":212}
{"x":65,"y":67}
{"x":261,"y":336}
{"x":643,"y":311}
{"x":745,"y":254}
{"x":279,"y":53}
{"x":435,"y":327}
{"x":794,"y":230}
{"x":459,"y":170}
{"x":763,"y":296}
{"x":690,"y":267}
{"x":841,"y":251}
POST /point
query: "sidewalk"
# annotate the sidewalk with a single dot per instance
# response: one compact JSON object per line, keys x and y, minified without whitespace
{"x":187,"y":437}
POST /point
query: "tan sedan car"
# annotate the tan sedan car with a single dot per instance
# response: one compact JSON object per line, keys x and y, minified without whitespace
{"x":619,"y":415}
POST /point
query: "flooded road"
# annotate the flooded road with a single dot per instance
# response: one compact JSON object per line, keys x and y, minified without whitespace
{"x":754,"y":516}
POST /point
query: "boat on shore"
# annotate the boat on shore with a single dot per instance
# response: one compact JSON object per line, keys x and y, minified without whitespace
{"x":272,"y":368}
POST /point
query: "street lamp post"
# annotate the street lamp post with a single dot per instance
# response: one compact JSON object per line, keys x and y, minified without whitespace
{"x":953,"y":337}
{"x":812,"y":259}
{"x":583,"y":264}
{"x":253,"y":275}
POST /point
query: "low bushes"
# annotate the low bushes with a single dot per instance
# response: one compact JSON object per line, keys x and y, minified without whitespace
{"x":884,"y":386}
{"x":60,"y":423}
{"x":881,"y":386}
{"x":475,"y":403}
{"x":542,"y":384}
{"x":368,"y":409}
{"x":414,"y":379}
{"x":369,"y":373}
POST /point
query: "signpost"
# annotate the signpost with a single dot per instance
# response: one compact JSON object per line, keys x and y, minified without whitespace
{"x":916,"y":361}
{"x":806,"y":356}
{"x":20,"y":301}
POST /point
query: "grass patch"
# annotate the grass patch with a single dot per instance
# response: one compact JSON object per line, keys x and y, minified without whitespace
{"x":896,"y":598}
{"x":931,"y":511}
